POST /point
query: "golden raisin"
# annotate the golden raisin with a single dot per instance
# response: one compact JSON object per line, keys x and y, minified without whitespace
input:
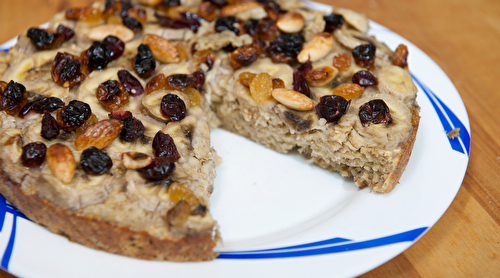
{"x":178,"y":192}
{"x":278,"y":83}
{"x":348,"y":90}
{"x":156,"y":83}
{"x":86,"y":14}
{"x":246,"y":78}
{"x":342,"y":61}
{"x":138,"y":14}
{"x":261,"y":87}
{"x":193,"y":95}
{"x":181,"y":48}
{"x":208,"y":11}
{"x":401,"y":56}
{"x":91,"y":120}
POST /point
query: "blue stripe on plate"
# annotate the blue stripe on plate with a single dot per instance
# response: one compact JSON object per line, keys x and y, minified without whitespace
{"x":301,"y":246}
{"x":5,"y":50}
{"x":397,"y":238}
{"x":4,"y":208}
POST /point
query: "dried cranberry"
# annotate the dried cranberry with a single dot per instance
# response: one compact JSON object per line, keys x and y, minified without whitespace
{"x":200,"y":79}
{"x":226,"y":23}
{"x":50,"y":129}
{"x":99,"y":56}
{"x":33,"y":154}
{"x":121,"y":116}
{"x":44,"y":40}
{"x":13,"y":98}
{"x":164,"y":146}
{"x":112,"y":95}
{"x":65,"y":31}
{"x":364,"y":78}
{"x":333,"y":21}
{"x":186,"y":20}
{"x":173,"y":107}
{"x":364,"y":55}
{"x":219,"y":3}
{"x":267,"y":29}
{"x":132,"y":129}
{"x":376,"y":112}
{"x":73,"y":115}
{"x":144,"y":64}
{"x":115,"y":47}
{"x":286,"y":47}
{"x":332,"y":108}
{"x":250,"y":27}
{"x":305,"y":68}
{"x":159,"y":169}
{"x":300,"y":84}
{"x":132,"y":23}
{"x":95,"y":161}
{"x":180,"y":81}
{"x":131,"y":84}
{"x":67,"y":70}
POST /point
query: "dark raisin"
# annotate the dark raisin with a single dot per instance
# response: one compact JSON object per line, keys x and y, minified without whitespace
{"x":132,"y":23}
{"x":305,"y":68}
{"x":250,"y":27}
{"x":112,"y":95}
{"x":364,"y":55}
{"x":180,"y":81}
{"x":300,"y":84}
{"x":267,"y":30}
{"x":219,"y":3}
{"x":173,"y":107}
{"x":73,"y":115}
{"x":99,"y":56}
{"x":115,"y":47}
{"x":332,"y":108}
{"x":226,"y":23}
{"x":159,"y":169}
{"x":33,"y":154}
{"x":65,"y":31}
{"x":185,"y":20}
{"x":200,"y":79}
{"x":49,"y":104}
{"x":164,"y":146}
{"x":333,"y":21}
{"x":13,"y":98}
{"x":286,"y":47}
{"x":131,"y":84}
{"x":50,"y":129}
{"x":144,"y":64}
{"x":95,"y":161}
{"x":229,"y":48}
{"x":273,"y":10}
{"x":376,"y":112}
{"x":243,"y":56}
{"x":67,"y":70}
{"x":170,"y":3}
{"x":44,"y":40}
{"x":126,"y":6}
{"x":121,"y":116}
{"x":261,"y":47}
{"x":364,"y":78}
{"x":132,"y":129}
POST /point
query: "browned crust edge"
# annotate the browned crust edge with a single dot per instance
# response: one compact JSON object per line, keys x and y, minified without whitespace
{"x":102,"y":235}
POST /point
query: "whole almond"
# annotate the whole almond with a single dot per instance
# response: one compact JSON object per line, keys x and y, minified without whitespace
{"x":135,"y":160}
{"x":291,"y":22}
{"x":316,"y":48}
{"x":238,"y":8}
{"x":293,"y":99}
{"x":102,"y":31}
{"x":61,"y":162}
{"x":99,"y":135}
{"x":161,"y":49}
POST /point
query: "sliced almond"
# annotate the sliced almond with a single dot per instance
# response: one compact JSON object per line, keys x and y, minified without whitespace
{"x":135,"y":160}
{"x":238,"y":8}
{"x":291,"y":22}
{"x":316,"y":48}
{"x":102,"y":31}
{"x":61,"y":162}
{"x":321,"y":76}
{"x":99,"y":135}
{"x":161,"y":49}
{"x":293,"y":99}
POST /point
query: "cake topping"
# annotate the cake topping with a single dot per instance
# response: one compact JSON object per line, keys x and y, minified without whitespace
{"x":164,"y":146}
{"x":364,"y":55}
{"x":44,"y":40}
{"x":331,"y":108}
{"x":132,"y":129}
{"x":300,"y":84}
{"x":291,"y":22}
{"x":33,"y":154}
{"x":185,"y":20}
{"x":67,"y":70}
{"x":293,"y":99}
{"x":173,"y":107}
{"x":95,"y":162}
{"x":342,"y":61}
{"x":99,"y":134}
{"x":158,"y":169}
{"x":61,"y":162}
{"x":348,"y":90}
{"x":286,"y":47}
{"x":115,"y":47}
{"x":144,"y":64}
{"x":73,"y":115}
{"x":333,"y":21}
{"x":100,"y":32}
{"x":400,"y":56}
{"x":375,"y":112}
{"x":98,"y":55}
{"x":226,"y":23}
{"x":261,"y":87}
{"x":50,"y":129}
{"x":86,"y":14}
{"x":13,"y":97}
{"x":321,"y":76}
{"x":243,"y":56}
{"x":161,"y":49}
{"x":112,"y":95}
{"x":135,"y":160}
{"x":364,"y":78}
{"x":131,"y":84}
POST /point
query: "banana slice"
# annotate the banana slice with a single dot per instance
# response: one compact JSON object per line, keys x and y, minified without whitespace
{"x":351,"y":39}
{"x":354,"y":19}
{"x":396,"y":81}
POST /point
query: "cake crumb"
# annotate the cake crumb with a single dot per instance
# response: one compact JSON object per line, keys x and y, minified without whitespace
{"x":454,"y":133}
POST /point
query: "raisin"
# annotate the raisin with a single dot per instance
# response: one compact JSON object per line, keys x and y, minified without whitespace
{"x":50,"y":129}
{"x":400,"y":58}
{"x":305,"y":68}
{"x":67,"y":70}
{"x":99,"y":56}
{"x":158,"y":169}
{"x":267,"y":30}
{"x":112,"y":95}
{"x":144,"y":64}
{"x":178,"y":192}
{"x":226,"y":23}
{"x":73,"y":115}
{"x":200,"y":80}
{"x":132,"y":23}
{"x":115,"y":47}
{"x":206,"y":56}
{"x":332,"y":108}
{"x":156,"y":83}
{"x":376,"y":112}
{"x":348,"y":91}
{"x":13,"y":98}
{"x":33,"y":154}
{"x":121,"y":116}
{"x":273,"y":10}
{"x":218,"y":3}
{"x":47,"y":104}
{"x":138,"y":14}
{"x":261,"y":87}
{"x":86,"y":14}
{"x":132,"y":129}
{"x":170,"y":3}
{"x":342,"y":61}
{"x":185,"y":20}
{"x":364,"y":55}
{"x":251,"y":26}
{"x":300,"y":84}
{"x":333,"y":22}
{"x":180,"y":81}
{"x":173,"y":107}
{"x":260,"y":46}
{"x":92,"y":120}
{"x":44,"y":40}
{"x":278,"y":83}
{"x":179,"y":214}
{"x":242,"y":57}
{"x":246,"y":78}
{"x":131,"y":84}
{"x":66,"y":32}
{"x":208,"y":11}
{"x":95,"y":161}
{"x":286,"y":47}
{"x":164,"y":146}
{"x":193,"y":96}
{"x":364,"y":78}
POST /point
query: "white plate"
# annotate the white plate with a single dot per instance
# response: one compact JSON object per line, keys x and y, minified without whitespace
{"x":280,"y":216}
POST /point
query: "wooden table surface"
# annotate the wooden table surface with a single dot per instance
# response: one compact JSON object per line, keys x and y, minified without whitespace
{"x":463,"y":37}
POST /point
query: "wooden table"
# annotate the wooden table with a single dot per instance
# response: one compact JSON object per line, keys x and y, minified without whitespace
{"x":463,"y":37}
